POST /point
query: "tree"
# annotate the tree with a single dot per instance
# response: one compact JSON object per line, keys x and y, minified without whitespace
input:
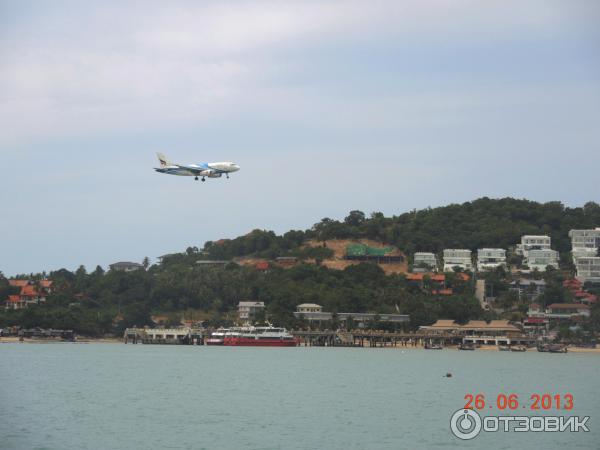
{"x":355,"y":218}
{"x":146,"y":263}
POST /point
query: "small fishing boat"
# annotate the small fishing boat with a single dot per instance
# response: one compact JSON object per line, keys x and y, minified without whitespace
{"x":557,"y":348}
{"x":503,"y":348}
{"x":431,"y":346}
{"x":466,"y":346}
{"x":518,"y":348}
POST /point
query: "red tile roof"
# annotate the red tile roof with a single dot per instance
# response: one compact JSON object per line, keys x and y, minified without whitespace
{"x":18,"y":283}
{"x":447,"y":291}
{"x":434,"y":276}
{"x":568,"y":306}
{"x":29,"y":291}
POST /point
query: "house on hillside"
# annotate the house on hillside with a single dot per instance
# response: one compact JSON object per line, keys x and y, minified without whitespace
{"x":539,"y":259}
{"x":529,"y":242}
{"x":424,"y":261}
{"x":286,"y":261}
{"x":588,"y":269}
{"x":457,"y":257}
{"x":437,"y":281}
{"x":309,"y":308}
{"x":526,"y":288}
{"x":490,"y":258}
{"x":124,"y":266}
{"x":263,"y":266}
{"x":30,"y":293}
{"x":213,"y":262}
{"x":584,"y":243}
{"x":249,"y":310}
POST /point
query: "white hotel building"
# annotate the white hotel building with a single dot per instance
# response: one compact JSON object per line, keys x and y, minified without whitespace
{"x":530,"y":242}
{"x":457,"y":257}
{"x":588,"y":268}
{"x":425,"y":259}
{"x":585,"y":242}
{"x":584,"y":248}
{"x":490,"y":258}
{"x":540,"y":259}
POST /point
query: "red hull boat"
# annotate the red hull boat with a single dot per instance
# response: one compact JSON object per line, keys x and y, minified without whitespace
{"x":260,"y":337}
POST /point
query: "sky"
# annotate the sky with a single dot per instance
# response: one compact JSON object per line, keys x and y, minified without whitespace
{"x":327,"y":106}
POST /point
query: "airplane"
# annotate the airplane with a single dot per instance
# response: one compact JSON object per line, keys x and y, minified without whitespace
{"x":210,"y":170}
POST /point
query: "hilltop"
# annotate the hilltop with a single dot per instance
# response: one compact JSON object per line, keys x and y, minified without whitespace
{"x":481,"y":223}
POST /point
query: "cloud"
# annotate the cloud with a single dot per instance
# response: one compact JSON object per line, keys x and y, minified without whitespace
{"x":118,"y":67}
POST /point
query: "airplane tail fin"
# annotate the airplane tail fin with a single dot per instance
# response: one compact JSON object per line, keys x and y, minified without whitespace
{"x":163,"y":160}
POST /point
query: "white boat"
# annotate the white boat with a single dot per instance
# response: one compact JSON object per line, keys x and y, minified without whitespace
{"x":260,"y":336}
{"x":217,"y":337}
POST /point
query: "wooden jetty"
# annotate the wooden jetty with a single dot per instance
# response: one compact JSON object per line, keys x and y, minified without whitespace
{"x":372,"y":338}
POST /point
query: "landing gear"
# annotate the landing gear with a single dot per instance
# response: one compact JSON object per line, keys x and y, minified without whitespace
{"x":227,"y":175}
{"x":203,"y":179}
{"x":196,"y":178}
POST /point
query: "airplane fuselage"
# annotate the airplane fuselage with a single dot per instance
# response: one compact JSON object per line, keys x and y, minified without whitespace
{"x":210,"y":170}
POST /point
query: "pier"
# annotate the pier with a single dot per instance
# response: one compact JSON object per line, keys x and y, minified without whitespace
{"x":369,"y":338}
{"x":176,"y":336}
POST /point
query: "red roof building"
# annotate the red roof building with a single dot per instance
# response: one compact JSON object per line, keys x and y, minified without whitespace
{"x":31,"y":293}
{"x":262,"y":265}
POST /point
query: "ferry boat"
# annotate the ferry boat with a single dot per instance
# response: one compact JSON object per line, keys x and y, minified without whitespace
{"x":260,"y":336}
{"x":217,"y":337}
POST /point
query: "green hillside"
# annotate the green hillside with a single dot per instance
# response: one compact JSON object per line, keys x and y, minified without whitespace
{"x":98,"y":302}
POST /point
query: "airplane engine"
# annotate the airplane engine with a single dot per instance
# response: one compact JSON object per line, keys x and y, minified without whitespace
{"x":214,"y":175}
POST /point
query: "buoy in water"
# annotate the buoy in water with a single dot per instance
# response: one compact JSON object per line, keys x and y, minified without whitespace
{"x":448,"y":375}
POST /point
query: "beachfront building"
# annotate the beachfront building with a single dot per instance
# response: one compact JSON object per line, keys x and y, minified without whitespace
{"x":490,"y":258}
{"x":425,"y":260}
{"x":496,"y":332}
{"x":584,"y":243}
{"x":249,"y":310}
{"x":530,"y":242}
{"x":457,"y":257}
{"x":540,"y":259}
{"x":539,"y":319}
{"x":588,"y":269}
{"x":180,"y":335}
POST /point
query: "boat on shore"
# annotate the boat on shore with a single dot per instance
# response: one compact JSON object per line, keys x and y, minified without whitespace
{"x":260,"y":337}
{"x":557,"y":348}
{"x":504,"y":348}
{"x":518,"y":348}
{"x":466,"y":346}
{"x":552,"y":348}
{"x":430,"y":346}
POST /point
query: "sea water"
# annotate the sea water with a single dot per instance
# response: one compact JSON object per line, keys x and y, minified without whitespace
{"x":116,"y":396}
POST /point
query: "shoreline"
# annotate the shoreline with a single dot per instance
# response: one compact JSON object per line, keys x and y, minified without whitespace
{"x":88,"y":340}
